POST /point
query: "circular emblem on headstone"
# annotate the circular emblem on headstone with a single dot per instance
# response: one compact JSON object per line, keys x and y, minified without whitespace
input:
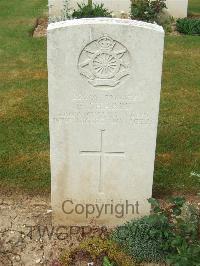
{"x":104,"y":62}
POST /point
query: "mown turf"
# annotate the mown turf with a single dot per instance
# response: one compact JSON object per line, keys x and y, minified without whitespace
{"x":194,"y":7}
{"x":24,"y":137}
{"x":178,"y":145}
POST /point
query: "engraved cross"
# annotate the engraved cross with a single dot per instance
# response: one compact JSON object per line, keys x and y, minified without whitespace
{"x":101,"y":153}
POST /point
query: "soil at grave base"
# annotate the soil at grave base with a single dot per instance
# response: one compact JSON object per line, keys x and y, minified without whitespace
{"x":18,"y":212}
{"x":40,"y":27}
{"x":23,"y":239}
{"x":82,"y":258}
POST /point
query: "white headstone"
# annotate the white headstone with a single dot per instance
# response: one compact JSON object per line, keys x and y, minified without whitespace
{"x":116,"y":6}
{"x":55,"y":7}
{"x":176,"y":8}
{"x":104,"y":91}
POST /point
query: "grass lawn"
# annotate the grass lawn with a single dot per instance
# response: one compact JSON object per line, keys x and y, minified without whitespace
{"x":24,"y":137}
{"x":194,"y":7}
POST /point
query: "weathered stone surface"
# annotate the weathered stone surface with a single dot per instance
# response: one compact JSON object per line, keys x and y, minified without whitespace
{"x":104,"y":91}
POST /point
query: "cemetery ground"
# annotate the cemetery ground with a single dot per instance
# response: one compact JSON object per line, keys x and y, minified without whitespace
{"x":24,"y":137}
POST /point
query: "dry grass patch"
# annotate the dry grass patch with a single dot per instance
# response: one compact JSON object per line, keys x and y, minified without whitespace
{"x":165,"y":157}
{"x":12,"y":103}
{"x":24,"y":74}
{"x":28,"y":157}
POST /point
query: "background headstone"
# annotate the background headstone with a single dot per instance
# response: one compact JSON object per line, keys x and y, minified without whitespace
{"x":104,"y":92}
{"x":176,"y":8}
{"x":117,"y":6}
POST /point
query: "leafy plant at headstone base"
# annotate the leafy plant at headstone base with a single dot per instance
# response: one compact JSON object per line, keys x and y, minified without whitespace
{"x":91,"y":11}
{"x":167,"y":23}
{"x":147,"y":10}
{"x":104,"y":250}
{"x":165,"y":235}
{"x":188,"y":26}
{"x":186,"y":238}
{"x":137,"y":239}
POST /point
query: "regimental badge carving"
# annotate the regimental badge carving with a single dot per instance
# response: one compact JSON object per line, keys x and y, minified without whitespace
{"x":104,"y":62}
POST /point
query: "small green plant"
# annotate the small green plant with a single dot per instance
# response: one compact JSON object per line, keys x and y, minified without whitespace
{"x":65,"y":13}
{"x":66,"y":10}
{"x":166,"y":22}
{"x":106,"y":262}
{"x":136,"y":238}
{"x":91,"y":11}
{"x":185,"y":239}
{"x":147,"y":10}
{"x":105,"y":250}
{"x":189,"y":26}
{"x":171,"y":235}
